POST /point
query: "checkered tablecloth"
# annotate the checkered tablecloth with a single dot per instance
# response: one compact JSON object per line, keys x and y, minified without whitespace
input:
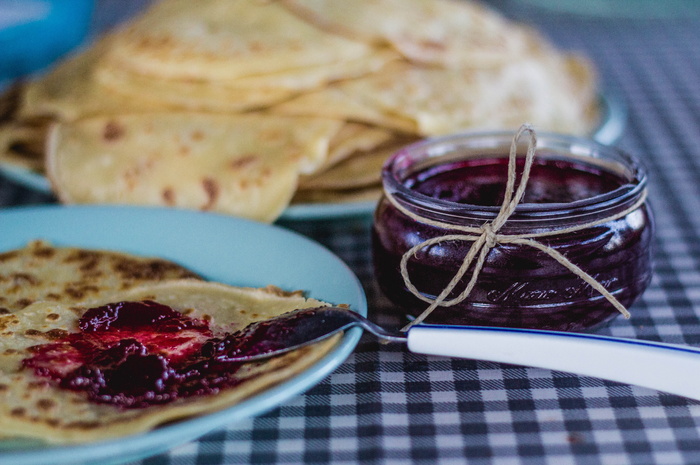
{"x":385,"y":405}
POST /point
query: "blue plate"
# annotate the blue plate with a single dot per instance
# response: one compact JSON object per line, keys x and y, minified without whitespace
{"x":612,"y":125}
{"x":220,"y":248}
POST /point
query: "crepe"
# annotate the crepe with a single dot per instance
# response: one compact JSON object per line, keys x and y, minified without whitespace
{"x":213,"y":39}
{"x":188,"y":94}
{"x":354,"y":138}
{"x":334,"y":102}
{"x":438,"y":101}
{"x":42,"y":272}
{"x":70,"y":91}
{"x":364,"y":169}
{"x":34,"y":407}
{"x":22,"y":143}
{"x":338,"y":196}
{"x":245,"y":165}
{"x":448,"y":33}
{"x":243,"y":92}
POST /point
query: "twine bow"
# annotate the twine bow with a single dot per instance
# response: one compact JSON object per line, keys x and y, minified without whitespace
{"x":486,"y":237}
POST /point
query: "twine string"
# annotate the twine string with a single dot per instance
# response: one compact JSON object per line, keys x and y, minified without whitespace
{"x":486,"y":237}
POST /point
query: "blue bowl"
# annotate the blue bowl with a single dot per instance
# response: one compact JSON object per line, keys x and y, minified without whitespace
{"x":35,"y":33}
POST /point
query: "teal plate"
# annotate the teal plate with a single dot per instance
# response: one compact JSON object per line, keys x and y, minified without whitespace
{"x":220,"y":248}
{"x":612,"y":125}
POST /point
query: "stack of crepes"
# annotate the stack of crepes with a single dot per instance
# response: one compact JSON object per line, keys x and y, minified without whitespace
{"x":246,"y":106}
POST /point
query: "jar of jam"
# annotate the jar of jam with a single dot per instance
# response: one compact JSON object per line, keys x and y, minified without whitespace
{"x":582,"y":201}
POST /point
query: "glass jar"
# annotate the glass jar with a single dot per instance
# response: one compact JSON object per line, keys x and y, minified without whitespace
{"x":459,"y":180}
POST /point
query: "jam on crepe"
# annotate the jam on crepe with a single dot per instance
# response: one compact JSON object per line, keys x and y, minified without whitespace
{"x":138,"y":354}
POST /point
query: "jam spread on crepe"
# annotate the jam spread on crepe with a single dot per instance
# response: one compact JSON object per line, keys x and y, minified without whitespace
{"x":138,"y":354}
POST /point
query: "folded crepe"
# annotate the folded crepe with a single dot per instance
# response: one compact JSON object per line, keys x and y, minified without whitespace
{"x":214,"y":39}
{"x":70,"y":91}
{"x":363,"y":169}
{"x":448,"y":33}
{"x":557,"y":92}
{"x":34,"y":406}
{"x":245,"y":165}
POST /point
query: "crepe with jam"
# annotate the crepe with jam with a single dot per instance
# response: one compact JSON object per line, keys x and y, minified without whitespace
{"x":76,"y":373}
{"x":384,"y":72}
{"x":43,"y":272}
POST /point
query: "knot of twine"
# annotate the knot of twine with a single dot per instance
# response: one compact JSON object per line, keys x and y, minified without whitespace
{"x":486,"y":237}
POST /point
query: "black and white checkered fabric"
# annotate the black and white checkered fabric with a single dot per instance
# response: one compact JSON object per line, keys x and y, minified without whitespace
{"x":385,"y":405}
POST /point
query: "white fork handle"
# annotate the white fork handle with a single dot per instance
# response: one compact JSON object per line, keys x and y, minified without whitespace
{"x":664,"y":367}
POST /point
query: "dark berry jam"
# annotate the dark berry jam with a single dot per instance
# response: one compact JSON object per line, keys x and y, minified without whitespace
{"x":138,"y":354}
{"x":481,"y":181}
{"x":454,"y":182}
{"x":267,"y":336}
